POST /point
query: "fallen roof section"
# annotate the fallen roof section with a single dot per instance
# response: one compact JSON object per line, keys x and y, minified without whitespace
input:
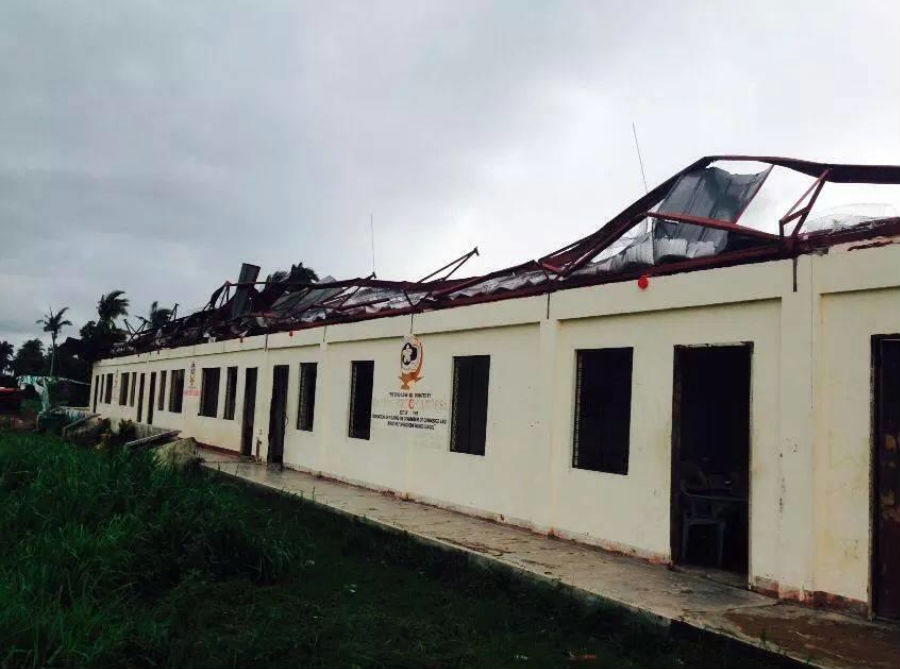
{"x":690,"y":221}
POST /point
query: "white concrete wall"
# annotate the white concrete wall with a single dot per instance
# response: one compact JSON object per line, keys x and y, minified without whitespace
{"x":810,"y":407}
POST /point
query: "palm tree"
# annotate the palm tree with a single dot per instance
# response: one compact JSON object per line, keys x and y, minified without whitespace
{"x":298,"y":273}
{"x":111,"y":306}
{"x":305,"y":274}
{"x":29,"y":358}
{"x":159,"y":316}
{"x":53,"y":323}
{"x":6,"y":354}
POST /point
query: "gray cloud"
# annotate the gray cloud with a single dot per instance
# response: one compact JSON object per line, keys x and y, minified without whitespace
{"x":153,"y":146}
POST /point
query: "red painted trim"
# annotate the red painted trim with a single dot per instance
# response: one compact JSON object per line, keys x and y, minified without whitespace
{"x":818,"y":599}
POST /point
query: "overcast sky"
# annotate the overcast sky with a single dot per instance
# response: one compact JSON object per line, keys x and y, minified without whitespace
{"x":154,"y":146}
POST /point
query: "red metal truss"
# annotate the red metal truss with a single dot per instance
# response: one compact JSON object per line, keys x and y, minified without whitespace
{"x":715,"y":223}
{"x":803,"y":213}
{"x":576,"y":255}
{"x":844,"y":173}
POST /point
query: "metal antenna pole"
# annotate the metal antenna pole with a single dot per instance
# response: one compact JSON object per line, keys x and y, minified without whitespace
{"x":372,"y":231}
{"x":640,"y":160}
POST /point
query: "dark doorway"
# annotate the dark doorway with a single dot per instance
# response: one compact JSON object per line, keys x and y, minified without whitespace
{"x":97,"y":380}
{"x":886,"y":553}
{"x":278,"y":414}
{"x":711,"y":456}
{"x":140,"y":402}
{"x":150,"y":398}
{"x":248,"y":412}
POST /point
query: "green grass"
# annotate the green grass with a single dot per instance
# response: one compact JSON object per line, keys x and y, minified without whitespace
{"x":107,"y":560}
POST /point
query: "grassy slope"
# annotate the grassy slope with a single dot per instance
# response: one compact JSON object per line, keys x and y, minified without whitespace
{"x":107,"y":560}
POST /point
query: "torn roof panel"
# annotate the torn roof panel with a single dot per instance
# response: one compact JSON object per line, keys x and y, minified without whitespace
{"x":690,"y":221}
{"x":713,"y":193}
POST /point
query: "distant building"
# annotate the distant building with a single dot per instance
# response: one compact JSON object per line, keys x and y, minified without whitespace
{"x":677,"y":386}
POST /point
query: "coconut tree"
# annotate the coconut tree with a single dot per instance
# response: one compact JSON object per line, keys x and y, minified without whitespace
{"x":305,"y":274}
{"x":159,"y":316}
{"x":29,"y":358}
{"x":53,"y":323}
{"x":297,"y":273}
{"x":6,"y":354}
{"x":110,"y":307}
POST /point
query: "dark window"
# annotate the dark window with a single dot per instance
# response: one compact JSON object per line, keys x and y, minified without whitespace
{"x":176,"y":392}
{"x":209,"y":391}
{"x":133,"y":387}
{"x":230,"y":392}
{"x":161,"y":404}
{"x":107,"y":396}
{"x":470,"y":398}
{"x":123,"y":389}
{"x":361,"y":398}
{"x":307,"y":401}
{"x":140,"y":399}
{"x":602,"y":409}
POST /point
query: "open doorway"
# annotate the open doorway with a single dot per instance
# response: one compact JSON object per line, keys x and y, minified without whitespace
{"x":278,"y":415}
{"x":886,"y":470}
{"x":711,"y":457}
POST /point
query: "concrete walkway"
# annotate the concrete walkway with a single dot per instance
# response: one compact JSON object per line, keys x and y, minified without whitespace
{"x":822,"y":638}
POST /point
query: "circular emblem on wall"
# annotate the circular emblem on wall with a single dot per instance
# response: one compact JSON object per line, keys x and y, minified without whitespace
{"x":411,"y":357}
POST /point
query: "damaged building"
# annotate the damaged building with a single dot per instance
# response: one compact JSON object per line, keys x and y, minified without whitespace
{"x":680,"y":385}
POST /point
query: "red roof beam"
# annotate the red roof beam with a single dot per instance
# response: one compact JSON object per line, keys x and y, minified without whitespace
{"x":715,"y":223}
{"x":455,"y":264}
{"x":837,"y":172}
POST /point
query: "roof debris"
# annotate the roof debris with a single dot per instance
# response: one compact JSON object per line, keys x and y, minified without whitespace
{"x":690,"y":221}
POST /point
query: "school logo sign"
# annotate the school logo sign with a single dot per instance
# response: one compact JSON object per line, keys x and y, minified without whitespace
{"x":411,"y":356}
{"x":415,"y":411}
